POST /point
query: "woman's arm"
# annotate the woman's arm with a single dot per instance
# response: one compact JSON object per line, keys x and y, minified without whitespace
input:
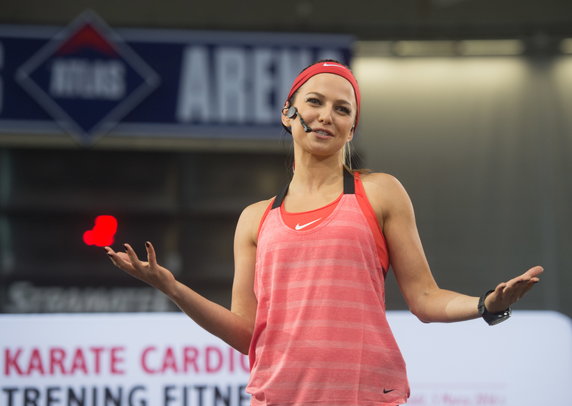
{"x":422,"y":294}
{"x":234,"y":326}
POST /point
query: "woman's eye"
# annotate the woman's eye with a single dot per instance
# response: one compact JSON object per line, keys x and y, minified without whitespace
{"x":313,"y":100}
{"x":344,"y":110}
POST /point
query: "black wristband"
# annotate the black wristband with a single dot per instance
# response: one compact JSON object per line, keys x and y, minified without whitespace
{"x":491,"y":318}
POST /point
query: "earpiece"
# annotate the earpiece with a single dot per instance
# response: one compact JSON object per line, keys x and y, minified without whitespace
{"x":291,"y":112}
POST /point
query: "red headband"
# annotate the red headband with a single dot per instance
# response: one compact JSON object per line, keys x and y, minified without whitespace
{"x":327,"y":67}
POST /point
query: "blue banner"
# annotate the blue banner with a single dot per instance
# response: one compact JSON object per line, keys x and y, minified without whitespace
{"x":91,"y":81}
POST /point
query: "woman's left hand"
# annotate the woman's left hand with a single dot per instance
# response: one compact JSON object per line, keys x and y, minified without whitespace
{"x":507,"y":293}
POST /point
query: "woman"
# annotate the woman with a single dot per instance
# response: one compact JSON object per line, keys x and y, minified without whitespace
{"x":308,"y":296}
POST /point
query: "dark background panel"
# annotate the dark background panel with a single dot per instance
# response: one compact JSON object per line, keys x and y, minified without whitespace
{"x":76,"y":179}
{"x":186,"y":203}
{"x":382,"y":19}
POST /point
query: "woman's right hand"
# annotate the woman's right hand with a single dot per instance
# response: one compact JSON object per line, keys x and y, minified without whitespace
{"x":148,"y":271}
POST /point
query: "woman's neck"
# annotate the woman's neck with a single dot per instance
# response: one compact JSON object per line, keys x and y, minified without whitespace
{"x":314,"y":175}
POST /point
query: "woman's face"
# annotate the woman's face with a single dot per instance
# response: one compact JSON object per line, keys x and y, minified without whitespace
{"x":327,"y":104}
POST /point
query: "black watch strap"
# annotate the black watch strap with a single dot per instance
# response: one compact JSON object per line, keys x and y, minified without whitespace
{"x":491,"y":318}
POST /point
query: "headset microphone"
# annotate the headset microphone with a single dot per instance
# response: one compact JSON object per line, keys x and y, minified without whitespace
{"x":292,"y":113}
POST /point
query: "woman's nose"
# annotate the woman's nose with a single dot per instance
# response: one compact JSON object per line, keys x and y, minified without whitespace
{"x":325,"y":115}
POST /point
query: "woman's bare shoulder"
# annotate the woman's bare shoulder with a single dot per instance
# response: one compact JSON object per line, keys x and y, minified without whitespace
{"x":257,"y":209}
{"x":377,"y":177}
{"x":384,"y":191}
{"x":380,"y":182}
{"x":250,"y":218}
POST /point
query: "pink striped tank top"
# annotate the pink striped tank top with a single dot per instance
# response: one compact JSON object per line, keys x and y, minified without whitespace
{"x":321,"y":336}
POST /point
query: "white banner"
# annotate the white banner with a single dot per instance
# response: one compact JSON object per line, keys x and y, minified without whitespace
{"x":165,"y":359}
{"x":525,"y":361}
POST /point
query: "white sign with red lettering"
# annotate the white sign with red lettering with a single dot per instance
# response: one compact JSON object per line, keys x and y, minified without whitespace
{"x":117,"y":359}
{"x":164,"y":359}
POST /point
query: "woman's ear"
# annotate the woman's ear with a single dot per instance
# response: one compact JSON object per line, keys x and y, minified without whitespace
{"x":352,"y":132}
{"x":284,"y":116}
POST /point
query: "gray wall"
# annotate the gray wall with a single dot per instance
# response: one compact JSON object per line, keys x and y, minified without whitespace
{"x":483,"y":145}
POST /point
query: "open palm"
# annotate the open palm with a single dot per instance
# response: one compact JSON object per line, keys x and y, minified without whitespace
{"x":148,"y":271}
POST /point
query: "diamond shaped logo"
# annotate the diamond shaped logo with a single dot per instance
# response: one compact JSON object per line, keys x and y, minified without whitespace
{"x":87,"y":78}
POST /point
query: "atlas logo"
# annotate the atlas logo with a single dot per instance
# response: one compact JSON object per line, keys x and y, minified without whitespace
{"x":87,"y":78}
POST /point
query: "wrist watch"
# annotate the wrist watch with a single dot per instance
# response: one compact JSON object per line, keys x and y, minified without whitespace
{"x":492,"y":318}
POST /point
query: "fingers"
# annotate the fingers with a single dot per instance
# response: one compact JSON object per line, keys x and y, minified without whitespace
{"x":525,"y":290}
{"x":529,"y":277}
{"x":513,"y":283}
{"x":508,"y":293}
{"x":522,"y":282}
{"x":151,"y":256}
{"x":499,"y":290}
{"x":119,"y":259}
{"x":534,"y":271}
{"x":129,"y":260}
{"x":137,"y":264}
{"x":516,"y":288}
{"x":147,"y":271}
{"x":110,"y":254}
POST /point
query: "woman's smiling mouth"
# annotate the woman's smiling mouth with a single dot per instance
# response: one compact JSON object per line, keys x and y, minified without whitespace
{"x":321,"y":133}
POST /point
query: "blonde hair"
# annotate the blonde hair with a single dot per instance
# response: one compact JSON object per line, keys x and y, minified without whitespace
{"x":347,"y":156}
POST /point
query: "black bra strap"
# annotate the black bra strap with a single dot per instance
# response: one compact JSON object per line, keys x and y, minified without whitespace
{"x":349,"y":185}
{"x":280,"y":197}
{"x":349,"y":189}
